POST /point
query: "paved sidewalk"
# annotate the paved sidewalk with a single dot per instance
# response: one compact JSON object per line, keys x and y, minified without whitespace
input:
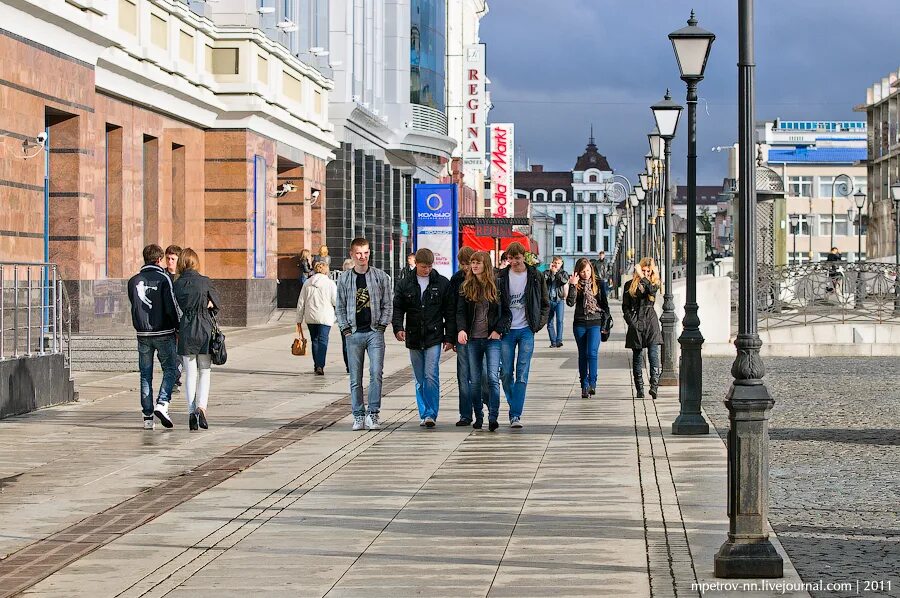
{"x":592,"y":498}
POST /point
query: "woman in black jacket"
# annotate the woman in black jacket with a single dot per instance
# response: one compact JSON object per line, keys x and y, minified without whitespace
{"x":588,"y":296}
{"x":482,"y":318}
{"x":198,"y":301}
{"x":638,"y":303}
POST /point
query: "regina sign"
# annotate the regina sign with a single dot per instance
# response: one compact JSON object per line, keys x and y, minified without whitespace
{"x":502,"y":170}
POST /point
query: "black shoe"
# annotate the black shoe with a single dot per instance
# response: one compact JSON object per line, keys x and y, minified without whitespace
{"x":477,"y":424}
{"x":320,"y":371}
{"x":558,"y":345}
{"x":552,"y":345}
{"x":493,"y":425}
{"x":592,"y":391}
{"x":584,"y":393}
{"x":201,"y":419}
{"x":463,"y":422}
{"x":192,"y":422}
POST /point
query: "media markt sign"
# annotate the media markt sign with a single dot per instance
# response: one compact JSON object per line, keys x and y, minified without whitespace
{"x":502,"y":170}
{"x":436,"y":226}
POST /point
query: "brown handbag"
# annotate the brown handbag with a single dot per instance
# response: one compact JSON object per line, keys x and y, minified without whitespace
{"x":299,"y":346}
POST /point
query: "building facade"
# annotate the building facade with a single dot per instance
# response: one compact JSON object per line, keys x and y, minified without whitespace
{"x":569,"y":209}
{"x":160,"y":125}
{"x":883,"y":165}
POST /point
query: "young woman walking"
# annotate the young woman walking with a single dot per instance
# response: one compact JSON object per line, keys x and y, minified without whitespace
{"x":305,"y":266}
{"x":588,"y":296}
{"x":643,"y":324}
{"x":315,"y":307}
{"x":482,"y":318}
{"x":198,"y":301}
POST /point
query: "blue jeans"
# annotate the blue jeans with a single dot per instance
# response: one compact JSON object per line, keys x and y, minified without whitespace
{"x":555,"y":322}
{"x":358,"y":345}
{"x":426,"y":365}
{"x":652,"y":356}
{"x":484,"y":357}
{"x":587,"y":338}
{"x":166,"y":352}
{"x":463,"y":380}
{"x":318,"y":337}
{"x":515,"y":379}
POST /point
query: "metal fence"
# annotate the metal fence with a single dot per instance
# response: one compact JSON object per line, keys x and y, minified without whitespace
{"x":827,"y":292}
{"x":35,"y":311}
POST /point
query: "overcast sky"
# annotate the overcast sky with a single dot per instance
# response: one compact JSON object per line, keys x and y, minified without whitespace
{"x":556,"y":66}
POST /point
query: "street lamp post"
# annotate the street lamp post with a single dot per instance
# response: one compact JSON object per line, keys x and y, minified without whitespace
{"x":795,"y":223}
{"x":633,"y":225}
{"x":747,"y":552}
{"x":666,"y":114}
{"x":859,"y":199}
{"x":613,"y":219}
{"x":846,"y":189}
{"x":692,"y":45}
{"x":895,"y":195}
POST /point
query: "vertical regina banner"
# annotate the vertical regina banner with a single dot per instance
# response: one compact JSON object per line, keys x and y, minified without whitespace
{"x":436,"y":225}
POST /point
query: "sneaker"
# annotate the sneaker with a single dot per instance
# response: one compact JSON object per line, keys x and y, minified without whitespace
{"x":422,"y":423}
{"x":201,"y":419}
{"x":320,"y":371}
{"x":592,"y":391}
{"x":429,"y":422}
{"x":515,"y":423}
{"x":358,"y":423}
{"x":372,"y":422}
{"x":559,"y":345}
{"x":493,"y":425}
{"x":162,"y":412}
{"x":149,"y":423}
{"x":463,"y":422}
{"x":192,"y":422}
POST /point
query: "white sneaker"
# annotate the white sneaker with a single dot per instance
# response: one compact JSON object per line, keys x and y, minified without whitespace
{"x":421,"y":423}
{"x":515,"y":423}
{"x":429,"y":422}
{"x":372,"y":422}
{"x":149,"y":423}
{"x":358,"y":423}
{"x":162,"y":412}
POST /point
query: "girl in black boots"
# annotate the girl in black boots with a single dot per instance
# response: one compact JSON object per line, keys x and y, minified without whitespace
{"x":643,"y":324}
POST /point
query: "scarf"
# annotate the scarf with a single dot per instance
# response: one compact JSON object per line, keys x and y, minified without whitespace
{"x":590,"y":301}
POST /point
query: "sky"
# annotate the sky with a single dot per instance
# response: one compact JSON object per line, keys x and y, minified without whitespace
{"x":558,"y":66}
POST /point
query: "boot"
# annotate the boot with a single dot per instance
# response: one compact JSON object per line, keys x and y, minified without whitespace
{"x":639,"y":383}
{"x":654,"y":381}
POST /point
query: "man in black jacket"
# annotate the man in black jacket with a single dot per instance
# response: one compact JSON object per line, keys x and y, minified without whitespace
{"x":423,"y":299}
{"x":526,"y":291}
{"x":155,"y":315}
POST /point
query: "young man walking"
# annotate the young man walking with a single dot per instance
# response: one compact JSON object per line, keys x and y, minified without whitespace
{"x":423,"y":301}
{"x":155,"y":315}
{"x":602,"y":270}
{"x":173,"y":252}
{"x":466,"y":407}
{"x":363,"y":311}
{"x":526,"y":290}
{"x":557,"y":286}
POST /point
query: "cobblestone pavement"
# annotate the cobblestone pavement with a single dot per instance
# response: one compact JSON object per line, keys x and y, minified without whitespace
{"x":835,"y":489}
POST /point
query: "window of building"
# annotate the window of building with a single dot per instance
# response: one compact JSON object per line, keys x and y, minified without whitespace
{"x":801,"y":186}
{"x":224,"y":61}
{"x":262,"y":70}
{"x":557,"y":219}
{"x":558,"y":242}
{"x":259,"y":217}
{"x":159,"y":33}
{"x":293,"y":88}
{"x":186,"y":47}
{"x":579,"y":244}
{"x":128,"y":16}
{"x":592,"y":178}
{"x":861,"y":183}
{"x":540,"y":195}
{"x":592,"y":232}
{"x":427,"y":51}
{"x":800,"y":257}
{"x":841,"y":226}
{"x":579,"y":221}
{"x":559,"y":196}
{"x":579,"y":196}
{"x":593,"y":196}
{"x":802,"y":228}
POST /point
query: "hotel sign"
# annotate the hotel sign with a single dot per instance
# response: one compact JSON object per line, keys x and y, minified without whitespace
{"x":502,"y":170}
{"x":473,"y":107}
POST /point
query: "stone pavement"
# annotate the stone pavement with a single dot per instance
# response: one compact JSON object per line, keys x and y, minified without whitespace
{"x":592,"y":498}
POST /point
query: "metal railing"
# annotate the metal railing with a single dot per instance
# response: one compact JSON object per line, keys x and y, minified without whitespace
{"x":827,"y":292}
{"x":35,"y":311}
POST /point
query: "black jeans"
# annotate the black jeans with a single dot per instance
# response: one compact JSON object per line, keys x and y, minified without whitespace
{"x":652,"y":355}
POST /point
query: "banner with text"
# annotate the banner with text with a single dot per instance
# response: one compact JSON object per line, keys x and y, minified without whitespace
{"x":436,"y":225}
{"x":474,"y":112}
{"x":502,"y":170}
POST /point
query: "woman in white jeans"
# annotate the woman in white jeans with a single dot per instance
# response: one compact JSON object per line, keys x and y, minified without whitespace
{"x":198,"y":301}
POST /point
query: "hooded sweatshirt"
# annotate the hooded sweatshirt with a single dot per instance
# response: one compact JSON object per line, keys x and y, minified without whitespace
{"x":317,"y":301}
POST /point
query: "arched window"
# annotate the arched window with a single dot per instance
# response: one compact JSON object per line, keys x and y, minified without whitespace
{"x":559,"y":195}
{"x":592,"y":178}
{"x":540,"y":195}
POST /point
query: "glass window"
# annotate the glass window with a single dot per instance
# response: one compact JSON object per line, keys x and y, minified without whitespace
{"x":825,"y":225}
{"x":579,"y":244}
{"x":558,"y":242}
{"x":559,"y":196}
{"x":259,"y":217}
{"x":593,"y":196}
{"x":579,"y":221}
{"x":540,"y":195}
{"x":802,"y":228}
{"x":557,"y":219}
{"x":801,"y":186}
{"x":841,"y":225}
{"x":427,"y":53}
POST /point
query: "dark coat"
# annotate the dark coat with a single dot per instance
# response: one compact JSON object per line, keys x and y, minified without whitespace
{"x":455,"y":286}
{"x":153,"y":308}
{"x":561,"y":278}
{"x":429,"y":319}
{"x":498,"y":319}
{"x":537,"y":302}
{"x":576,"y":298}
{"x":640,"y":316}
{"x":193,"y":292}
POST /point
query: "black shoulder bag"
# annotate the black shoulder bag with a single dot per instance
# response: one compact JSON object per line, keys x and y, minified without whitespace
{"x":219,"y":355}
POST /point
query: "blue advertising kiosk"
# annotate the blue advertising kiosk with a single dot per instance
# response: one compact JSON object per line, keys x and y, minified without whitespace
{"x":436,"y":224}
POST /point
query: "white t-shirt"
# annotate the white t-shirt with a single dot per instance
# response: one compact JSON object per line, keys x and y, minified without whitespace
{"x":423,"y":284}
{"x":517,"y":282}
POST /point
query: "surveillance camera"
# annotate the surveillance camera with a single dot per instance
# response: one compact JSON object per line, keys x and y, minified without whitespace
{"x":288,"y":188}
{"x":315,"y":194}
{"x":41,"y":138}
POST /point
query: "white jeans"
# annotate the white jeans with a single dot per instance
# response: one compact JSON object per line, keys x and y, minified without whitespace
{"x":196,"y":384}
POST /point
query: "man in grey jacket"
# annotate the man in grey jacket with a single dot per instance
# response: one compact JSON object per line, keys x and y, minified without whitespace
{"x":363,"y":311}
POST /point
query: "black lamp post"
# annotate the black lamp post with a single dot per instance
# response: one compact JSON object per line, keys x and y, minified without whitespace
{"x":795,"y":223}
{"x":859,"y":199}
{"x":692,"y":45}
{"x":895,"y":196}
{"x":633,"y":226}
{"x":747,"y":552}
{"x":666,"y":114}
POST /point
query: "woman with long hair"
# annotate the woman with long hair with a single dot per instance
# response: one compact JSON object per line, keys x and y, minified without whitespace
{"x":322,"y":256}
{"x":305,"y":266}
{"x":588,"y":296}
{"x":482,"y":318}
{"x":638,"y":304}
{"x":315,"y":307}
{"x":198,"y":301}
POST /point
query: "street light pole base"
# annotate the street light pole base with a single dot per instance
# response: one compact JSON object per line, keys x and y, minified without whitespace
{"x":670,"y":379}
{"x":747,"y":559}
{"x":690,"y":424}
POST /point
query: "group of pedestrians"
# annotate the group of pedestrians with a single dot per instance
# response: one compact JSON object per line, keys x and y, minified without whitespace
{"x":173,"y":311}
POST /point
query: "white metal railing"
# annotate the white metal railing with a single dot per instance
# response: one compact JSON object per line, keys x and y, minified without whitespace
{"x":35,"y":311}
{"x":428,"y":119}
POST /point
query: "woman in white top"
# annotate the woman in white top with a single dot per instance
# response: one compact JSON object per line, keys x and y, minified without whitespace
{"x":315,"y":307}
